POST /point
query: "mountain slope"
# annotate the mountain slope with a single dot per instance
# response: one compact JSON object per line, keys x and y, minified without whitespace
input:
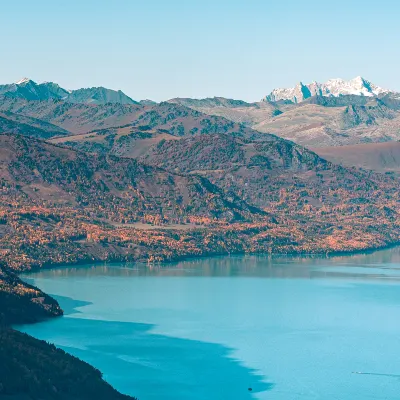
{"x":381,"y":157}
{"x":74,"y":117}
{"x":290,"y":183}
{"x":32,"y":369}
{"x":122,"y":141}
{"x":268,"y":172}
{"x":40,"y":172}
{"x":237,"y":111}
{"x":315,"y":125}
{"x":264,"y":170}
{"x":18,"y":124}
{"x":99,"y":95}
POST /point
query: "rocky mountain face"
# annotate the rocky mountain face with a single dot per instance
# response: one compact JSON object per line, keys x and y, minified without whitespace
{"x":27,"y":89}
{"x":313,"y":125}
{"x":332,"y":88}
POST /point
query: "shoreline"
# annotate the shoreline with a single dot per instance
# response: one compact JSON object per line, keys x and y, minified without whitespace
{"x":322,"y":255}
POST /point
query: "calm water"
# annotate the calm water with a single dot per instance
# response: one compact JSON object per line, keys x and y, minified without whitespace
{"x":288,"y":328}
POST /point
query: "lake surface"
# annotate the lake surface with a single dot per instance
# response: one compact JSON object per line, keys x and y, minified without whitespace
{"x":287,"y":328}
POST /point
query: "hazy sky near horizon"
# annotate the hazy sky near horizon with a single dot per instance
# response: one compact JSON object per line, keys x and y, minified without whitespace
{"x":159,"y":49}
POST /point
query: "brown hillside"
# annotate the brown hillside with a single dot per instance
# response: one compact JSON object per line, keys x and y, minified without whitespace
{"x":381,"y":157}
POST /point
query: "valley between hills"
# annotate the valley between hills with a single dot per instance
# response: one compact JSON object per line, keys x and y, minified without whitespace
{"x":95,"y":176}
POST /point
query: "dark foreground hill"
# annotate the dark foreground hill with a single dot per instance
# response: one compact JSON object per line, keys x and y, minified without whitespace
{"x":32,"y":369}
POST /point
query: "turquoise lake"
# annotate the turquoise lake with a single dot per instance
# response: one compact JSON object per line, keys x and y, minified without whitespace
{"x":214,"y":328}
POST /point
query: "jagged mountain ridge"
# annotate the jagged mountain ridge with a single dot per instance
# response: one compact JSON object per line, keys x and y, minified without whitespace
{"x":318,"y":121}
{"x":30,"y":90}
{"x":358,"y":86}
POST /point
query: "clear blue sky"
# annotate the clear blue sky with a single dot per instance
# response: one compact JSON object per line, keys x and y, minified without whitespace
{"x":160,"y":49}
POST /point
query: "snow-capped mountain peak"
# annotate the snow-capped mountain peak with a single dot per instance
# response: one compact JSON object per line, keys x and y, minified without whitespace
{"x":331,"y":88}
{"x":22,"y":81}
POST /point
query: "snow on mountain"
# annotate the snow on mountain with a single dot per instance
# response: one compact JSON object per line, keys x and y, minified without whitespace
{"x":23,"y":80}
{"x":332,"y":88}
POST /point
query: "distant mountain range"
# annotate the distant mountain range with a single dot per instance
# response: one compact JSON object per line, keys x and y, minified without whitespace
{"x":334,"y":113}
{"x":29,"y":90}
{"x":332,"y":88}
